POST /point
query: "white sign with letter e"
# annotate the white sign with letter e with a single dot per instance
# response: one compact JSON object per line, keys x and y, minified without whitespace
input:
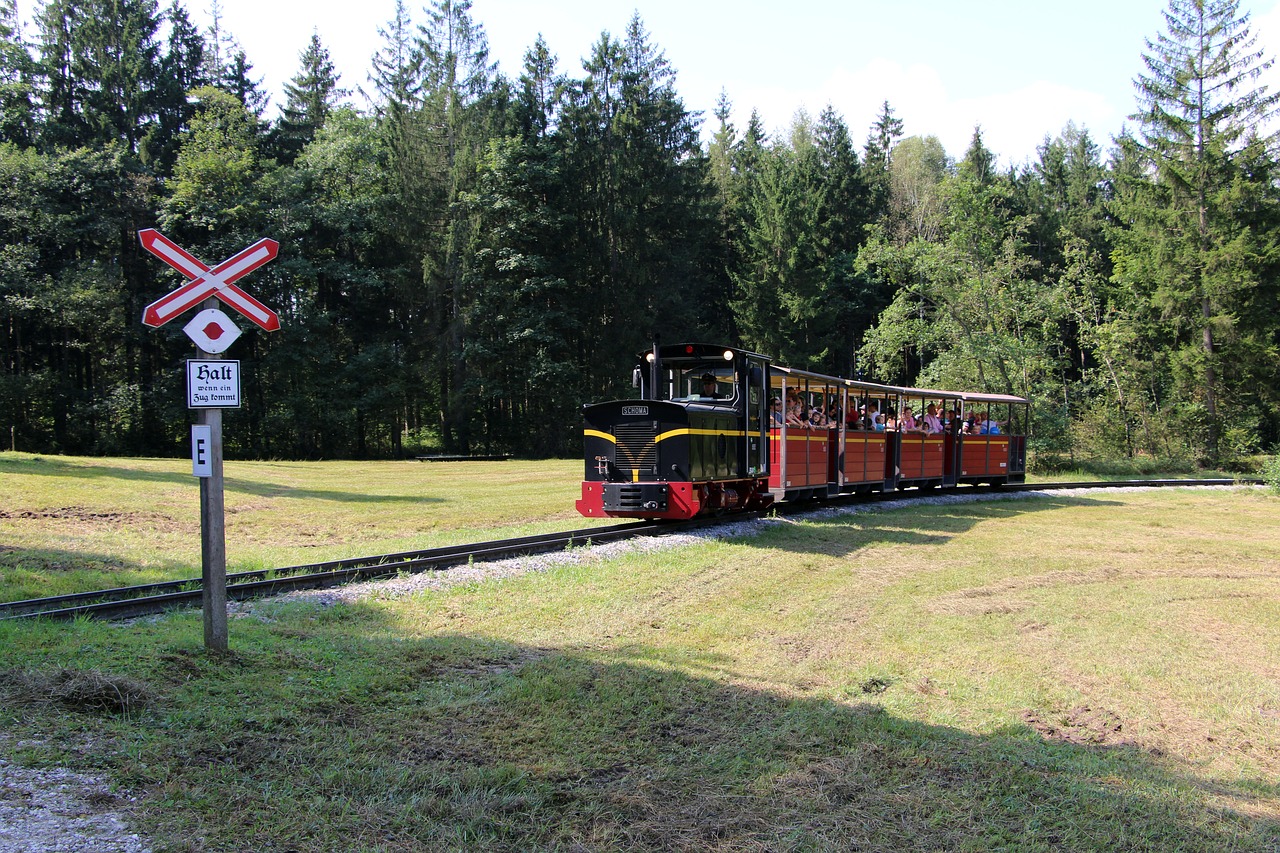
{"x":213,"y":384}
{"x":201,"y":450}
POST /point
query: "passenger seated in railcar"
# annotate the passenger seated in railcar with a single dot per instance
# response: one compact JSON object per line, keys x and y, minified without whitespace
{"x":907,"y":423}
{"x":932,"y":424}
{"x":776,"y":415}
{"x":988,"y":426}
{"x":817,"y":417}
{"x":795,"y":411}
{"x":873,"y":412}
{"x":890,"y":418}
{"x":834,"y":413}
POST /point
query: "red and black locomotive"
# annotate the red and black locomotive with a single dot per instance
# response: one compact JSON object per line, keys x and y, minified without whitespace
{"x":696,"y":441}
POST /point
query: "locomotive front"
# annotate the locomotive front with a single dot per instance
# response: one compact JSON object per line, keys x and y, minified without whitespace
{"x":696,"y":441}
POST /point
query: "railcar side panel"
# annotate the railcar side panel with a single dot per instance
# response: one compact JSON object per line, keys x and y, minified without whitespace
{"x":984,"y":456}
{"x":805,"y":452}
{"x":922,"y":457}
{"x":864,"y":457}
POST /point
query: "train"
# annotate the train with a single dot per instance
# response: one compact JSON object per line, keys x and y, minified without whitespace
{"x":710,"y":433}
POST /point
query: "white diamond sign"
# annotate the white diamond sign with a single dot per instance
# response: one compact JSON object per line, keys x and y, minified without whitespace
{"x":212,"y":331}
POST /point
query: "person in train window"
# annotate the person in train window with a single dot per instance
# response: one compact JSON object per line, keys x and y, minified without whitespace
{"x":989,"y":426}
{"x":795,"y":412}
{"x":932,"y":424}
{"x":817,"y":417}
{"x":873,"y":412}
{"x":879,"y":423}
{"x":907,"y":423}
{"x":890,"y":419}
{"x":776,"y":418}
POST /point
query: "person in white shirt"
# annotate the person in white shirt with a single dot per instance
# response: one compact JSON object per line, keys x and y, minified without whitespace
{"x":932,"y":424}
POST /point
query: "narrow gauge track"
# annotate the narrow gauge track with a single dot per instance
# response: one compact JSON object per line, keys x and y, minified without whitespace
{"x":147,"y":599}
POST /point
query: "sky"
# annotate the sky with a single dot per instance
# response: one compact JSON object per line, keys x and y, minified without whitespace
{"x":1020,"y":70}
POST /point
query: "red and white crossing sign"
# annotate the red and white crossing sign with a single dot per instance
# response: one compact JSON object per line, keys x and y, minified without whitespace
{"x":205,"y":281}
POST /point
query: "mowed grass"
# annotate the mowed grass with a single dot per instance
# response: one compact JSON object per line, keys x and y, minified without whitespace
{"x":1092,"y":672}
{"x":72,"y":524}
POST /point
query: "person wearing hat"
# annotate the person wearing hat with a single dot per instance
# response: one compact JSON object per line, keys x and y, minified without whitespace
{"x":709,"y":386}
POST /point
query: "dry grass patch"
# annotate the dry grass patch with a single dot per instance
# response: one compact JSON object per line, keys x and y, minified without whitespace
{"x":76,"y":689}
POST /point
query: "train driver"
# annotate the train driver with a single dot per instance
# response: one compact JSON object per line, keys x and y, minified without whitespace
{"x":709,"y":386}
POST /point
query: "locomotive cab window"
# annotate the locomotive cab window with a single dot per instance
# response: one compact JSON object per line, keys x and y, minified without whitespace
{"x":705,"y":381}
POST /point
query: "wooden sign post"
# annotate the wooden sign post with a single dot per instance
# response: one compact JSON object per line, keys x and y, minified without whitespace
{"x":213,"y":383}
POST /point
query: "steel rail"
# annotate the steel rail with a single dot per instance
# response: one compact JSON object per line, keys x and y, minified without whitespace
{"x":147,"y":599}
{"x":132,"y":601}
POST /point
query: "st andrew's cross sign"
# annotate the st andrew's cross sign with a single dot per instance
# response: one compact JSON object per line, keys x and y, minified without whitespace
{"x":205,"y":281}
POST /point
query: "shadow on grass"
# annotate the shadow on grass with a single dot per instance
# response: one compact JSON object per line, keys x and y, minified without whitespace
{"x":328,"y":730}
{"x":840,"y":534}
{"x":54,"y":467}
{"x":27,"y":573}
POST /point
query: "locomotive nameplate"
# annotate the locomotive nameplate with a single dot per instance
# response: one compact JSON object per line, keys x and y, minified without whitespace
{"x":635,"y":410}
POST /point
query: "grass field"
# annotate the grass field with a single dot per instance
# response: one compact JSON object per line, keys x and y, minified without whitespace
{"x":1088,"y":672}
{"x":80,"y":524}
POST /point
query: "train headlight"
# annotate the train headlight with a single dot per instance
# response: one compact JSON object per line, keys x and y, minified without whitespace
{"x":728,"y":355}
{"x":649,"y":358}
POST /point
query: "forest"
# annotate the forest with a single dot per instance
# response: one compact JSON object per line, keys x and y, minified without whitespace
{"x":471,"y":257}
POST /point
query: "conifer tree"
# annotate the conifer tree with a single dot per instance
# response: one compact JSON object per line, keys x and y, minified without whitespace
{"x":1189,"y":253}
{"x":884,"y":134}
{"x":182,"y":70}
{"x":457,"y":75}
{"x":309,"y":97}
{"x":17,"y":80}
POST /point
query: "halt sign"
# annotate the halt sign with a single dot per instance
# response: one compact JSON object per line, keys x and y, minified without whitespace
{"x":213,"y":384}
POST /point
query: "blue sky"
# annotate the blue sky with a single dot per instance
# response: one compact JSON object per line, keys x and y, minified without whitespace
{"x":1019,"y":69}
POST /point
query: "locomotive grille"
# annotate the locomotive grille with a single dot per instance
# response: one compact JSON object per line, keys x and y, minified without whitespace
{"x":636,"y":446}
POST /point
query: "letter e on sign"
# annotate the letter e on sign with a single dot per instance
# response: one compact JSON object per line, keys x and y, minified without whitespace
{"x":201,"y":450}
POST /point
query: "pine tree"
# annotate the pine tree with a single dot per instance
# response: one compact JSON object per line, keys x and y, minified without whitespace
{"x":182,"y":71}
{"x":309,"y":97}
{"x":883,"y":135}
{"x":1201,"y":110}
{"x":524,"y":331}
{"x":457,"y":77}
{"x":237,"y":79}
{"x":17,"y":80}
{"x":397,"y":67}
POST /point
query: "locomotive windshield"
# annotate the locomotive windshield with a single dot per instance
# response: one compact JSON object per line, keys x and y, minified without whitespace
{"x":699,"y":381}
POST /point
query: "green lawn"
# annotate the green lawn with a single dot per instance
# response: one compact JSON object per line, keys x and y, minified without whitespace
{"x":70,"y":524}
{"x":1091,"y":672}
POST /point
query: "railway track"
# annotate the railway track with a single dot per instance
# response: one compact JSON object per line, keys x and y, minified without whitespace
{"x":134,"y":601}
